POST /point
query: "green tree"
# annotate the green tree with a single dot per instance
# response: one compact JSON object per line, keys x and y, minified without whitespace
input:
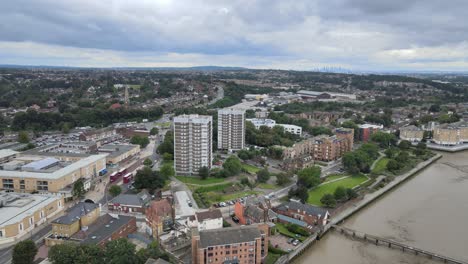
{"x":391,"y":152}
{"x":167,"y":146}
{"x":340,"y":194}
{"x":167,"y":170}
{"x":64,"y":253}
{"x":78,"y":190}
{"x":149,"y":179}
{"x":351,"y":193}
{"x":263,"y":175}
{"x":147,"y":162}
{"x":204,"y":172}
{"x":393,"y":165}
{"x":302,"y":193}
{"x":66,"y":128}
{"x":328,"y":200}
{"x":402,"y":157}
{"x":167,"y":157}
{"x":24,"y":252}
{"x":309,"y":177}
{"x":404,"y":144}
{"x":120,"y":251}
{"x":23,"y":137}
{"x":140,"y":140}
{"x":282,"y":179}
{"x":385,"y":140}
{"x":232,"y":166}
{"x":154,"y":131}
{"x":115,"y":190}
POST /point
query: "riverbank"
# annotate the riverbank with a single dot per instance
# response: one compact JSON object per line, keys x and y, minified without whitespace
{"x":452,"y":149}
{"x":368,"y":199}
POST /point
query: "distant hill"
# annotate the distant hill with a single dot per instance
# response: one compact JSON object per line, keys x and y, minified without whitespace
{"x":195,"y":68}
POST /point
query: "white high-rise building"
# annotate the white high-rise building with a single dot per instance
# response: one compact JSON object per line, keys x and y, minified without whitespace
{"x":192,"y":143}
{"x":231,"y":129}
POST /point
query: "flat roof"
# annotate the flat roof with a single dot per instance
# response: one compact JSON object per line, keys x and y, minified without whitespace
{"x":21,"y":205}
{"x":102,"y":228}
{"x":115,"y":150}
{"x":56,"y":174}
{"x":7,"y":152}
{"x":227,"y":236}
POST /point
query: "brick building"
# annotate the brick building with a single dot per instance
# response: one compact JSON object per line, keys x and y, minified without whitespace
{"x":130,"y":203}
{"x":367,"y":130}
{"x":311,"y":215}
{"x":244,"y":244}
{"x":159,"y":217}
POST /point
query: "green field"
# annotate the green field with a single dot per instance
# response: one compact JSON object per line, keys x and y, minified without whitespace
{"x":316,"y":194}
{"x":198,"y":181}
{"x":380,"y":166}
{"x":249,"y":168}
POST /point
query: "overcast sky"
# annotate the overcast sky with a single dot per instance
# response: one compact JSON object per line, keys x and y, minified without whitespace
{"x":298,"y":34}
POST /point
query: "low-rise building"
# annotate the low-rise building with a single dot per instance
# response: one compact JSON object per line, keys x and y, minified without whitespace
{"x":411,"y":133}
{"x":48,"y":172}
{"x":119,"y":153}
{"x":367,"y":130}
{"x":20,"y":213}
{"x":308,"y":214}
{"x":130,"y":203}
{"x":244,"y":244}
{"x":100,"y":136}
{"x":159,"y":217}
{"x":270,"y":123}
{"x":254,"y":210}
{"x":206,"y":220}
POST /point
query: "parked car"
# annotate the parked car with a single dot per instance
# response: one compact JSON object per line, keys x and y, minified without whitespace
{"x":295,"y":242}
{"x":290,"y":240}
{"x":235,"y":219}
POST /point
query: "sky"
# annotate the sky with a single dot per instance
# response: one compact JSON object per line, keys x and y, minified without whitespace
{"x":364,"y":35}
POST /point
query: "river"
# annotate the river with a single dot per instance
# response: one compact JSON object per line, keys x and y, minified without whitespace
{"x":429,"y":211}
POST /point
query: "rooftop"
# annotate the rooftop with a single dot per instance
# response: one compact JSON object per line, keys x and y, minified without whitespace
{"x":17,"y":206}
{"x":139,"y":199}
{"x":102,"y":229}
{"x":115,"y":150}
{"x":211,"y":214}
{"x":4,"y":153}
{"x":309,"y":209}
{"x":227,"y":236}
{"x":75,"y":213}
{"x":57,"y":172}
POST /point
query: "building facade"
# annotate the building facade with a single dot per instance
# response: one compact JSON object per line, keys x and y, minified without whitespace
{"x":159,"y":216}
{"x":20,"y":213}
{"x":411,"y":133}
{"x":231,"y":129}
{"x":328,"y":148}
{"x":130,"y":203}
{"x":451,"y":134}
{"x":206,"y":220}
{"x":192,"y":143}
{"x":309,"y":214}
{"x":48,"y":173}
{"x":367,"y":130}
{"x":244,"y":244}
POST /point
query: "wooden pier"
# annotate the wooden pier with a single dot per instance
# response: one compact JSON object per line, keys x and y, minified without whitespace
{"x":393,"y":244}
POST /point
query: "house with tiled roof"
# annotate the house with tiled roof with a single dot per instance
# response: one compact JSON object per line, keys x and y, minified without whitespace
{"x":302,"y":214}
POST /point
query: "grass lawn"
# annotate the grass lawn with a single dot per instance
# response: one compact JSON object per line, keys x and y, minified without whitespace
{"x":267,"y":186}
{"x":198,"y":181}
{"x":284,"y":231}
{"x":380,"y":166}
{"x":135,"y":86}
{"x":272,"y":258}
{"x":249,"y":168}
{"x":316,"y":194}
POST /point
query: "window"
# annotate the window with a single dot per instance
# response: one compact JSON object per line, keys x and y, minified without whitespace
{"x":42,"y":185}
{"x":8,"y":184}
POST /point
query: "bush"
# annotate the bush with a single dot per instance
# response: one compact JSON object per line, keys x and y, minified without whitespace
{"x":328,"y":200}
{"x":296,"y":229}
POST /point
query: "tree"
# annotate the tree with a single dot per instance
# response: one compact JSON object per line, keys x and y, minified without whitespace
{"x":23,"y":137}
{"x":420,"y":149}
{"x":391,"y":152}
{"x":167,"y":146}
{"x":64,"y":253}
{"x":404,"y":144}
{"x":351,"y":193}
{"x":167,"y":170}
{"x":154,"y":131}
{"x":232,"y":166}
{"x":115,"y":190}
{"x":340,"y":194}
{"x":149,"y":179}
{"x":78,"y":188}
{"x":263,"y":175}
{"x":204,"y":172}
{"x":66,"y":128}
{"x":402,"y":157}
{"x":282,"y":179}
{"x":139,"y":140}
{"x":328,"y":200}
{"x":393,"y":165}
{"x":147,"y":162}
{"x":120,"y":251}
{"x":384,"y":139}
{"x":24,"y":252}
{"x":309,"y":177}
{"x":167,"y":156}
{"x":302,"y":193}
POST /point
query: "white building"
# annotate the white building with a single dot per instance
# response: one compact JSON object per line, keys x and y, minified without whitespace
{"x":231,"y":129}
{"x":212,"y":219}
{"x":192,"y":143}
{"x":259,"y":122}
